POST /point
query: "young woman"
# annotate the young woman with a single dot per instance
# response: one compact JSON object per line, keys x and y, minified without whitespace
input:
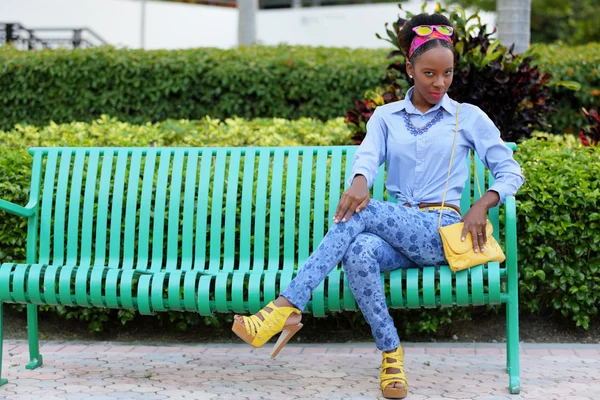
{"x":414,"y":137}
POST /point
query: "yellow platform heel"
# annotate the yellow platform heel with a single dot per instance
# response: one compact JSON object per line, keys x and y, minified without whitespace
{"x":256,"y":332}
{"x":398,"y":377}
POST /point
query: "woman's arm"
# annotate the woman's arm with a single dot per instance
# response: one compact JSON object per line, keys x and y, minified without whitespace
{"x":367,"y":159}
{"x":498,"y":158}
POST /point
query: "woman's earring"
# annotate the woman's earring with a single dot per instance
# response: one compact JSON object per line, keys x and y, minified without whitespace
{"x":410,"y":76}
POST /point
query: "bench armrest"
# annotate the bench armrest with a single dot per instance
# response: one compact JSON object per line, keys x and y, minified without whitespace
{"x":510,"y":214}
{"x":21,"y":211}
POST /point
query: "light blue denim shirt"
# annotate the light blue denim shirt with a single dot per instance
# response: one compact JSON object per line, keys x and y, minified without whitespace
{"x":418,"y":165}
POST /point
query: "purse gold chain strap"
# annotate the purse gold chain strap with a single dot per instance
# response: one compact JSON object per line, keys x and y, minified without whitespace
{"x":450,"y":167}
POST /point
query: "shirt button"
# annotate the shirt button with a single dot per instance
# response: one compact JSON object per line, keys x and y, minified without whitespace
{"x":422,"y":117}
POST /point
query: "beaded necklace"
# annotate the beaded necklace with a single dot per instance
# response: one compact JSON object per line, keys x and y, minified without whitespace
{"x":419,"y":131}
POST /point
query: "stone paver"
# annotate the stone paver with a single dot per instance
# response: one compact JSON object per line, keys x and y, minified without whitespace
{"x":440,"y":371}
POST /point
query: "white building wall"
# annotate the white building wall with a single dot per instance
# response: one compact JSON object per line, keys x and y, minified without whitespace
{"x":172,"y":25}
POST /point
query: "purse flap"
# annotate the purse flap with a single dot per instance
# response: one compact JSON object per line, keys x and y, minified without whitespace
{"x":451,"y":234}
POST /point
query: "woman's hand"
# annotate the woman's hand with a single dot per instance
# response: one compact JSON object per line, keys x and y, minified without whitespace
{"x":475,"y":220}
{"x":355,"y":199}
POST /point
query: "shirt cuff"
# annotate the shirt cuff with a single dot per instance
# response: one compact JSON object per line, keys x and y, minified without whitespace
{"x":501,"y":189}
{"x":364,"y":172}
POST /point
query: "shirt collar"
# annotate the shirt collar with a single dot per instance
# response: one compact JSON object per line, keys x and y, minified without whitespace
{"x":447,"y":104}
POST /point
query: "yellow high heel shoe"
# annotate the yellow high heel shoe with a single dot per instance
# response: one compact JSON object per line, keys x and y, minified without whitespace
{"x":256,"y":332}
{"x":399,"y":377}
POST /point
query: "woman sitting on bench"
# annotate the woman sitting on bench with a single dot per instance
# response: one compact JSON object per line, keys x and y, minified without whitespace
{"x":414,"y":137}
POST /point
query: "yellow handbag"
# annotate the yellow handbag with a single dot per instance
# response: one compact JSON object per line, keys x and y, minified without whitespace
{"x":460,"y":254}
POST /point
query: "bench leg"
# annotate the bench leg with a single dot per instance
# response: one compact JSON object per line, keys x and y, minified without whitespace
{"x":35,"y":358}
{"x":512,"y":345}
{"x":2,"y":380}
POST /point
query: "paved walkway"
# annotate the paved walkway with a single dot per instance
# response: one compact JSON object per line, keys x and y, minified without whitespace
{"x":349,"y":371}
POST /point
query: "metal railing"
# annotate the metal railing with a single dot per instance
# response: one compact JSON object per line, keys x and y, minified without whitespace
{"x":48,"y":38}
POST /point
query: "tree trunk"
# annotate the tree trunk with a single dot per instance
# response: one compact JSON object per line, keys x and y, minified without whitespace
{"x":247,"y":22}
{"x":514,"y":22}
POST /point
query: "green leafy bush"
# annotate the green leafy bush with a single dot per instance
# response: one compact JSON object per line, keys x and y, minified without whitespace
{"x":139,"y":86}
{"x":288,"y":82}
{"x":558,"y":225}
{"x":575,"y":82}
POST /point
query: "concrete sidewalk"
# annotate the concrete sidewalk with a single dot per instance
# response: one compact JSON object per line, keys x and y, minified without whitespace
{"x":439,"y":371}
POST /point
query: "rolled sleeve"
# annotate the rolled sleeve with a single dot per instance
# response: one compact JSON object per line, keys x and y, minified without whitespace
{"x":496,"y":156}
{"x":371,"y":152}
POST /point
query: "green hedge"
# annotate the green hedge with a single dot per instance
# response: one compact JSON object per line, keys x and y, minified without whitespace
{"x":558,"y":218}
{"x":139,"y":86}
{"x":558,"y":228}
{"x":287,"y":82}
{"x":579,"y":64}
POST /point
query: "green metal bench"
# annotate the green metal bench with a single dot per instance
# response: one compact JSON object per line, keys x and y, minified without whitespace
{"x":213,"y":230}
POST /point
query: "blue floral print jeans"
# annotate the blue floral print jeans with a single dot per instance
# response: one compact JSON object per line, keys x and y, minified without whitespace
{"x":383,"y":237}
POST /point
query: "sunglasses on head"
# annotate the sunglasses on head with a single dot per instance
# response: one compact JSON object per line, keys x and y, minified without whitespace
{"x":426,"y":30}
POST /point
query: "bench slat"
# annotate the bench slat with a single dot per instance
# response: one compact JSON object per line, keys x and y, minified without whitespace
{"x":189,"y":211}
{"x":445,"y":281}
{"x":494,"y":214}
{"x":175,"y":216}
{"x":221,"y":292}
{"x":18,"y":281}
{"x":34,"y":283}
{"x":412,"y":288}
{"x":493,"y":277}
{"x":216,"y":207}
{"x":246,"y":210}
{"x":335,"y":182}
{"x":379,"y":184}
{"x":255,"y":303}
{"x":203,"y":290}
{"x":306,"y":187}
{"x":97,"y":278}
{"x":229,"y":242}
{"x":428,"y":282}
{"x":131,"y":209}
{"x":60,"y":206}
{"x":156,"y":290}
{"x":477,"y":295}
{"x":320,"y":186}
{"x":175,"y":284}
{"x":67,"y":273}
{"x":190,"y":284}
{"x":114,"y":258}
{"x":275,"y":211}
{"x":396,"y":296}
{"x":74,"y":205}
{"x":82,"y":277}
{"x":262,"y":186}
{"x":143,"y":295}
{"x":290,"y":218}
{"x":465,"y":198}
{"x":204,"y":184}
{"x":480,"y":171}
{"x":104,"y":189}
{"x":462,"y":287}
{"x":145,"y":210}
{"x":46,"y":211}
